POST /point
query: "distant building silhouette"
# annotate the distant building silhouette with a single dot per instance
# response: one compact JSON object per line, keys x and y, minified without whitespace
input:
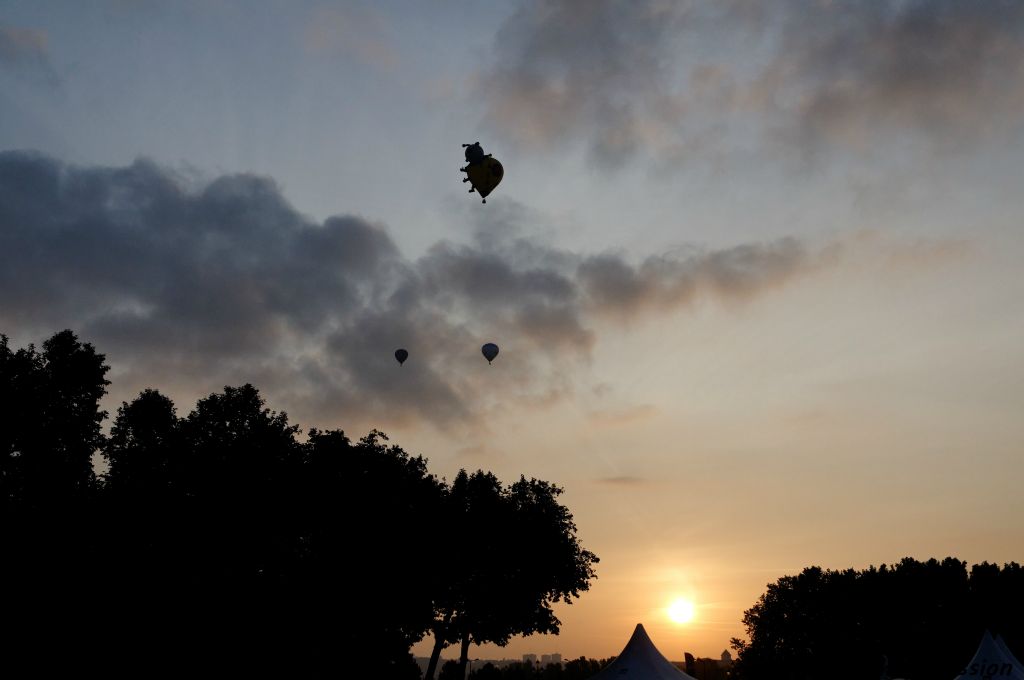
{"x":705,"y":668}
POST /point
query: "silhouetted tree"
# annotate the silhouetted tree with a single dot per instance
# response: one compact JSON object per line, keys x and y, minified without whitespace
{"x":142,"y":447}
{"x":486,"y":672}
{"x":239,"y":472}
{"x":284,"y":558}
{"x":925,"y":618}
{"x":49,"y":421}
{"x":147,"y":558}
{"x":219,"y":544}
{"x":451,"y":670}
{"x":523,"y":558}
{"x":372,"y":511}
{"x":995,"y":597}
{"x":518,"y":670}
{"x":49,"y":431}
{"x":703,"y":668}
{"x":581,"y":668}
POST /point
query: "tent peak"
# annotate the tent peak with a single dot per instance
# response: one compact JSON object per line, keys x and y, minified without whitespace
{"x":642,"y":661}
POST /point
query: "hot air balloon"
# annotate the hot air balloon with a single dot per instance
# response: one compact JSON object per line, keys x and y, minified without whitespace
{"x":490,"y":350}
{"x":482,"y":171}
{"x":401,"y":355}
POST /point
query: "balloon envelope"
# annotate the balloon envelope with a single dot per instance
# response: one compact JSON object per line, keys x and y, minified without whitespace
{"x":485,"y":175}
{"x":401,"y":355}
{"x":490,"y":350}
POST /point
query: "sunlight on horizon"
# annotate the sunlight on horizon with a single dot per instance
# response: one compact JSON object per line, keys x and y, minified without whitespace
{"x":682,"y":611}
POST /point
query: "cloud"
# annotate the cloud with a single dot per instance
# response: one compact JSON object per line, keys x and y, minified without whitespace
{"x":672,"y":82}
{"x":563,"y":66}
{"x":357,"y":33}
{"x":623,"y":480}
{"x":664,"y":282}
{"x":907,"y":256}
{"x":201,"y":284}
{"x":26,"y":49}
{"x":623,"y":416}
{"x":949,"y":70}
{"x":21,"y":44}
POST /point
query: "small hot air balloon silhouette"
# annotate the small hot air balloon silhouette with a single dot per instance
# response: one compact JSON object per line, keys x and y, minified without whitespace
{"x":401,"y":355}
{"x":490,"y":350}
{"x":483,"y":171}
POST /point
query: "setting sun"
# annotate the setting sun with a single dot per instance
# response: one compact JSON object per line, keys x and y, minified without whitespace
{"x":681,"y":610}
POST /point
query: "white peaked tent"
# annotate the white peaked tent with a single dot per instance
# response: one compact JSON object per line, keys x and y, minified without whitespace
{"x":641,"y":660}
{"x":992,"y":661}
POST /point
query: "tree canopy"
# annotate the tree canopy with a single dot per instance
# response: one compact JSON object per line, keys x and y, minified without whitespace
{"x":49,"y":421}
{"x":917,"y":619}
{"x":223,"y":542}
{"x":523,"y":557}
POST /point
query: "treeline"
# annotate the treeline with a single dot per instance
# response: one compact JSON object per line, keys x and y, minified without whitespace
{"x":910,"y":620}
{"x":573,"y":669}
{"x":224,"y":543}
{"x":581,"y":668}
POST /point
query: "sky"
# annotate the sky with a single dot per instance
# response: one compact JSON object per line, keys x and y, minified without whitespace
{"x":753,"y":269}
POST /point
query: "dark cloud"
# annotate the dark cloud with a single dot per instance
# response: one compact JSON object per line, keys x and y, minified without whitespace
{"x":671,"y":82}
{"x":200,"y":285}
{"x":614,"y":286}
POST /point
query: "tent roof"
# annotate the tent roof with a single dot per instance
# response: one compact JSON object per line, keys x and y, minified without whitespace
{"x":641,"y":660}
{"x":1007,"y":653}
{"x":992,"y":661}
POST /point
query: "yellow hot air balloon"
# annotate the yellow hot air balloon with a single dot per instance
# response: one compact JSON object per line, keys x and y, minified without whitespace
{"x":483,"y":171}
